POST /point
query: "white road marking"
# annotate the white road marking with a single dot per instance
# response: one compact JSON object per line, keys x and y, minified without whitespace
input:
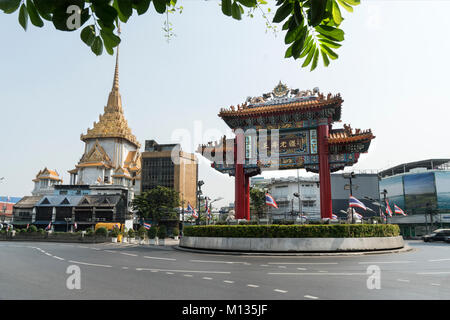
{"x":188,"y":275}
{"x":215,"y":261}
{"x":310,"y":297}
{"x":110,"y":251}
{"x":91,"y":264}
{"x":207,"y":278}
{"x":303,"y":269}
{"x":281,"y":291}
{"x":438,"y":260}
{"x":435,"y":284}
{"x":83,"y":247}
{"x":169,"y":272}
{"x":384,"y":262}
{"x":264,"y":265}
{"x":228,"y":281}
{"x":129,"y":254}
{"x":252,"y":286}
{"x":190,"y":271}
{"x":403,"y":280}
{"x":159,"y":258}
{"x":48,"y":254}
{"x":305,"y":263}
{"x":58,"y":258}
{"x":284,"y":267}
{"x":316,"y":274}
{"x":431,"y":273}
{"x":125,"y":268}
{"x":322,"y":271}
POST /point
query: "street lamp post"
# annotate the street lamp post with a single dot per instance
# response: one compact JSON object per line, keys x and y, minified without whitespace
{"x":67,"y":223}
{"x":210,"y":206}
{"x":384,"y":193}
{"x":199,"y":193}
{"x":297,"y":195}
{"x":350,"y":175}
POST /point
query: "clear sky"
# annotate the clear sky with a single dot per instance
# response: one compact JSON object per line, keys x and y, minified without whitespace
{"x":392,"y":72}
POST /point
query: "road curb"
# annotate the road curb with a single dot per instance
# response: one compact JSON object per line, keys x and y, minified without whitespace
{"x":406,"y":248}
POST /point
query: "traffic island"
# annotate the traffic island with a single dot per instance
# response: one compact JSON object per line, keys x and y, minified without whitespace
{"x":293,"y":238}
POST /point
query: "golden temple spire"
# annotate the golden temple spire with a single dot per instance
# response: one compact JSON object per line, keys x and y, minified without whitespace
{"x":112,"y":123}
{"x":116,"y":71}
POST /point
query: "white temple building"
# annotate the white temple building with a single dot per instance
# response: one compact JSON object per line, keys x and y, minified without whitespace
{"x":111,"y":155}
{"x":111,"y":158}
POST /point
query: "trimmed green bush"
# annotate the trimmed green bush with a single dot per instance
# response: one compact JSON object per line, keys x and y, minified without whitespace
{"x":162,"y":232}
{"x":102,"y":231}
{"x":141,"y":232}
{"x":294,"y":231}
{"x":152,"y":232}
{"x":32,"y":228}
{"x":175,"y":232}
{"x":114,"y":233}
{"x":131,"y":233}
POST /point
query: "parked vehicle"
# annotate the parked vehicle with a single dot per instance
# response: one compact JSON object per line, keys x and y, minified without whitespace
{"x":437,"y":235}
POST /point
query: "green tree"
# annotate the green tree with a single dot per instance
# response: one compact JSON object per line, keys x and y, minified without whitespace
{"x":312,"y":26}
{"x":157,"y":203}
{"x":257,"y":201}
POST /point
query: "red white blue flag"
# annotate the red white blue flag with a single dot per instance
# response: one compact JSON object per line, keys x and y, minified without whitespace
{"x":353,"y":202}
{"x":189,"y":209}
{"x":334,"y":217}
{"x":270,"y":201}
{"x":75,"y":225}
{"x":147,"y":226}
{"x":358,"y":216}
{"x":208,"y":212}
{"x":49,"y":226}
{"x":388,"y":209}
{"x":398,"y":210}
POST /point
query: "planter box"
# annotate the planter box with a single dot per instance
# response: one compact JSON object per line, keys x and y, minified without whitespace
{"x":154,"y":241}
{"x":162,"y":242}
{"x":114,"y":240}
{"x":293,"y":244}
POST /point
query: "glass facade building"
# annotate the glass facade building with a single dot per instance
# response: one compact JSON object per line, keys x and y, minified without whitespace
{"x":424,"y":195}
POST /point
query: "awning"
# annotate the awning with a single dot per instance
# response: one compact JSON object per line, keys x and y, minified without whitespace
{"x":42,"y":222}
{"x":20,"y":223}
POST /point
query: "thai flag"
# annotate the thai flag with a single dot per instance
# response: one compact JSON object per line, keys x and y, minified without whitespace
{"x":147,"y":226}
{"x":388,"y":209}
{"x":208,"y":212}
{"x":398,"y":210}
{"x":270,"y":201}
{"x":353,"y":202}
{"x":75,"y":225}
{"x":358,"y":216}
{"x":303,"y":217}
{"x":334,"y":217}
{"x":49,"y":226}
{"x":192,"y":210}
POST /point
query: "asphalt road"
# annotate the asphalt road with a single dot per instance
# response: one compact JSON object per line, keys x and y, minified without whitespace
{"x":32,"y":270}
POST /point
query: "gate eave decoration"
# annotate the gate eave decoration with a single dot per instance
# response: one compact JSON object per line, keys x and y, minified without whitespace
{"x":303,"y":120}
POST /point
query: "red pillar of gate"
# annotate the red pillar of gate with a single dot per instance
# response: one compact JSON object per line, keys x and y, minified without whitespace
{"x":239,"y":181}
{"x":247,"y":197}
{"x":324,"y":171}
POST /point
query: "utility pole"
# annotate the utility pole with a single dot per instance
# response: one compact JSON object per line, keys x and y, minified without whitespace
{"x":350,"y":175}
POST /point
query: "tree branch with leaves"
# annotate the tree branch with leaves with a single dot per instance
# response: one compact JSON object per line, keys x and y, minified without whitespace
{"x":312,"y":26}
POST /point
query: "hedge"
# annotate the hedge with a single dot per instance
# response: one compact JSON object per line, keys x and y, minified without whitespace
{"x":294,"y":231}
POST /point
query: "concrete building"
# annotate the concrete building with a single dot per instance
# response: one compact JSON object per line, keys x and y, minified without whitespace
{"x":289,"y":206}
{"x":167,"y":165}
{"x":283,"y":189}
